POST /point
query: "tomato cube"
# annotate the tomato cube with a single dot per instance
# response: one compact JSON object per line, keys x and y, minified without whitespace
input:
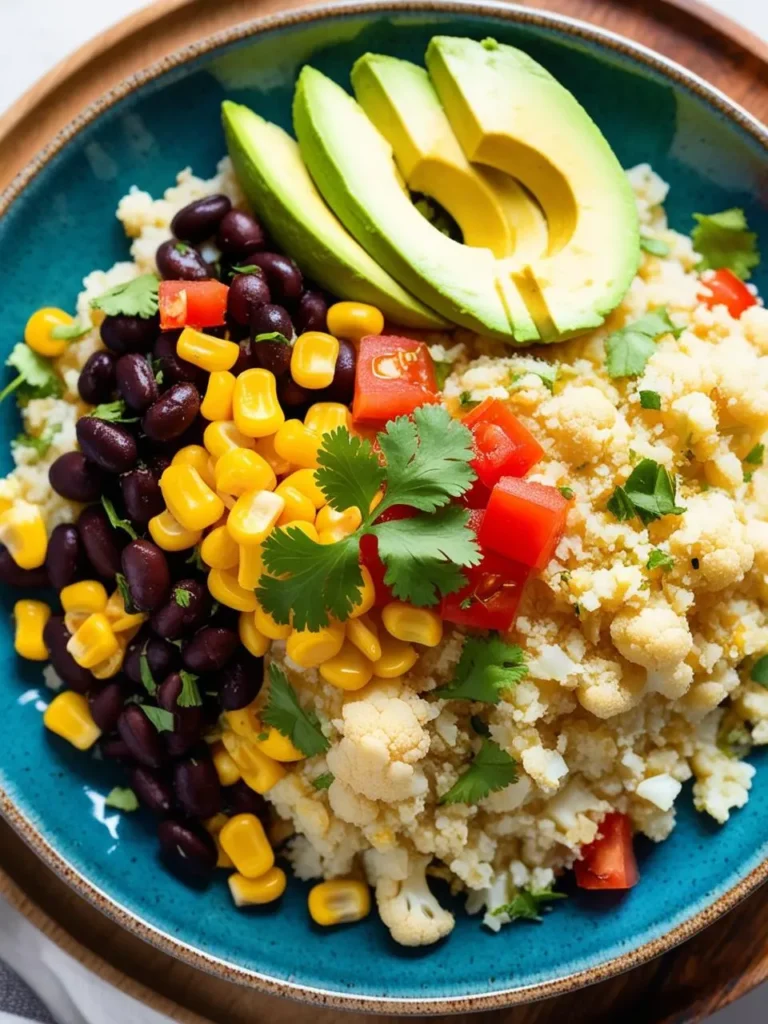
{"x":609,"y":862}
{"x":393,"y":377}
{"x":723,"y":288}
{"x":524,"y":521}
{"x":503,"y":446}
{"x":192,"y":304}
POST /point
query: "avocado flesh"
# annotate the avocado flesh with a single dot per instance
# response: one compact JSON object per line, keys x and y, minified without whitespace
{"x":352,"y":166}
{"x":492,"y":212}
{"x":509,"y":113}
{"x":273,"y":176}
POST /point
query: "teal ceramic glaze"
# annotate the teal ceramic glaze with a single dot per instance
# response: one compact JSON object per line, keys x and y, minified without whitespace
{"x":62,"y":225}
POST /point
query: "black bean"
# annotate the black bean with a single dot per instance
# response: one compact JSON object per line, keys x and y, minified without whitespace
{"x":96,"y":382}
{"x":197,"y":787}
{"x":152,"y":789}
{"x":274,"y":356}
{"x":75,"y":478}
{"x":64,"y":558}
{"x":56,"y":637}
{"x":244,"y":361}
{"x":311,"y":312}
{"x":106,"y":706}
{"x":240,"y":233}
{"x":115,"y":749}
{"x":282,"y":274}
{"x":187,"y":848}
{"x":174,"y":620}
{"x":179,"y":262}
{"x":147,"y":574}
{"x":291,"y":395}
{"x":342,"y":387}
{"x":107,"y":444}
{"x":140,"y":736}
{"x":136,"y":381}
{"x":246,"y":293}
{"x":174,"y":369}
{"x":123,"y":334}
{"x":198,"y":220}
{"x":101,"y":541}
{"x":270,"y":318}
{"x":172,"y":413}
{"x":209,"y":649}
{"x":239,"y":682}
{"x":14,"y":576}
{"x":141,"y":494}
{"x":241,"y":799}
{"x":161,"y":657}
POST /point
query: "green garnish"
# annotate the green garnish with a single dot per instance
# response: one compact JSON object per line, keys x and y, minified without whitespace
{"x":527,"y":904}
{"x":114,"y":519}
{"x":35,"y":378}
{"x":182,"y":597}
{"x":248,"y":268}
{"x":190,"y":694}
{"x":196,"y":560}
{"x":724,"y":240}
{"x":133,"y":298}
{"x":426,"y":464}
{"x":491,"y":770}
{"x":69,"y":332}
{"x":546,"y":372}
{"x":112,"y":412}
{"x":146,"y":672}
{"x":655,"y":246}
{"x":659,"y":559}
{"x":629,"y":349}
{"x":181,"y":247}
{"x":442,"y":372}
{"x":122,"y":798}
{"x":159,"y":717}
{"x":567,"y":492}
{"x":324,"y":781}
{"x":759,"y":673}
{"x":40,"y":444}
{"x":125,"y":593}
{"x":648,"y":493}
{"x":487,"y":669}
{"x":650,"y":400}
{"x":466,"y":401}
{"x":273,"y":336}
{"x":756,"y":455}
{"x":284,"y":713}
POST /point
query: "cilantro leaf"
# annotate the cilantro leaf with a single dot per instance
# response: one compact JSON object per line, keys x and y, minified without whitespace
{"x":491,"y":770}
{"x":146,"y":672}
{"x":35,"y":378}
{"x":159,"y":717}
{"x":122,"y":798}
{"x":546,"y":372}
{"x":69,"y":332}
{"x":284,"y":713}
{"x":756,"y":455}
{"x":759,"y":673}
{"x":349,"y":472}
{"x":196,"y":560}
{"x":648,"y":493}
{"x":125,"y":593}
{"x":113,"y":412}
{"x":133,"y":298}
{"x":273,"y":336}
{"x":527,"y":904}
{"x":248,"y":268}
{"x":190,"y":694}
{"x":466,"y":401}
{"x":659,"y":559}
{"x":629,"y":349}
{"x":182,"y":597}
{"x":443,"y":370}
{"x":655,"y":246}
{"x":424,"y":555}
{"x":567,"y":492}
{"x":733,"y":738}
{"x":324,"y":781}
{"x":650,"y":400}
{"x":724,"y":240}
{"x":114,"y":519}
{"x":487,"y":668}
{"x":40,"y":444}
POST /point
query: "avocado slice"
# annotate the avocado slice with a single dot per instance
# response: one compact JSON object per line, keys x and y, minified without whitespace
{"x":273,"y":176}
{"x":509,"y":113}
{"x":492,"y":209}
{"x":351,"y":163}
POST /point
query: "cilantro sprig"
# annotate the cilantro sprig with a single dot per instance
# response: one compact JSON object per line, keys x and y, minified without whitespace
{"x":36,"y":377}
{"x":528,"y":904}
{"x":324,"y":781}
{"x":114,"y":519}
{"x":123,"y":798}
{"x":70,"y":332}
{"x":182,"y":597}
{"x":650,"y":493}
{"x":159,"y":717}
{"x":133,"y":298}
{"x":491,"y":770}
{"x":759,"y":673}
{"x":629,"y":349}
{"x":424,"y":465}
{"x":655,"y":246}
{"x":40,"y":444}
{"x":724,"y":240}
{"x":284,"y":713}
{"x":487,"y":669}
{"x":189,"y":697}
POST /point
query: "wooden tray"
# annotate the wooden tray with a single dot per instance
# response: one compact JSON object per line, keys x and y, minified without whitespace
{"x":684,"y":985}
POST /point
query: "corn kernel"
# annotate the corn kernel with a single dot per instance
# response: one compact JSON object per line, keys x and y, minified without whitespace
{"x":259,"y":772}
{"x":94,"y":641}
{"x":245,"y":722}
{"x":22,"y":530}
{"x":297,"y":506}
{"x":364,"y":635}
{"x":257,"y":411}
{"x":267,"y":626}
{"x":241,"y":469}
{"x":304,"y":480}
{"x":37,"y":332}
{"x":170,"y":535}
{"x":323,"y":417}
{"x":206,"y":351}
{"x":337,"y":524}
{"x":310,"y":649}
{"x":110,"y":666}
{"x":189,"y":499}
{"x":216,"y":823}
{"x":279,"y":747}
{"x":341,"y":901}
{"x":353,"y":320}
{"x":196,"y":456}
{"x":121,"y":620}
{"x":397,"y":657}
{"x":250,"y":568}
{"x":244,"y":839}
{"x":349,"y":670}
{"x":367,"y":597}
{"x":225,"y":589}
{"x":31,"y":617}
{"x":265,"y":446}
{"x":74,"y":620}
{"x":228,"y":500}
{"x":297,"y":445}
{"x":250,"y":637}
{"x":253,"y":516}
{"x":226,"y":769}
{"x":223,"y":860}
{"x":218,"y":550}
{"x":249,"y":892}
{"x":222,"y":435}
{"x":313,"y":360}
{"x":304,"y":526}
{"x":413,"y":625}
{"x":69,"y":716}
{"x":86,"y":597}
{"x":217,"y":402}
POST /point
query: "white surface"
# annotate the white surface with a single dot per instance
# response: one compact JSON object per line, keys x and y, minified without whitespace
{"x":41,"y":33}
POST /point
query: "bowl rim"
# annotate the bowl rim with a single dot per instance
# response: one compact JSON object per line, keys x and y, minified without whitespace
{"x":27,"y":830}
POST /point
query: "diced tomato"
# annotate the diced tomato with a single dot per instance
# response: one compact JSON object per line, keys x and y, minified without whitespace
{"x":369,"y":553}
{"x":609,"y":862}
{"x":503,"y":446}
{"x":477,"y":496}
{"x":394,"y":376}
{"x":524,"y":521}
{"x":192,"y":304}
{"x":493,"y":590}
{"x":723,"y":288}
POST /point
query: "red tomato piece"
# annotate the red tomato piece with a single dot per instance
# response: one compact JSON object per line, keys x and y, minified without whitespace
{"x":477,"y":496}
{"x":723,"y":288}
{"x":369,"y":554}
{"x":524,"y":521}
{"x":609,"y":862}
{"x":493,"y":590}
{"x":192,"y":304}
{"x":503,"y":446}
{"x":394,"y":376}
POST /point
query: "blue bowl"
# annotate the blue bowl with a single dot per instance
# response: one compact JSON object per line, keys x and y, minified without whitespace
{"x":59,"y":223}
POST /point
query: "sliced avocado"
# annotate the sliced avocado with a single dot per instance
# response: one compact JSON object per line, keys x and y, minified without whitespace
{"x":400,"y":100}
{"x":509,"y":113}
{"x":273,"y":176}
{"x":352,"y":166}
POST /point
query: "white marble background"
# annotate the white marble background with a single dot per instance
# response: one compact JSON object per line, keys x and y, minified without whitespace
{"x":35,"y":35}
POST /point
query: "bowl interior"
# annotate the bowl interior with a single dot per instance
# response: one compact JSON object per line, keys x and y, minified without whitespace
{"x":63,"y":226}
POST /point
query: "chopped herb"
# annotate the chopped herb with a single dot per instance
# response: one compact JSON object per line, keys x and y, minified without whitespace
{"x":442,"y":372}
{"x":660,"y":560}
{"x":733,"y":738}
{"x":248,"y":268}
{"x":146,"y":672}
{"x":182,"y":597}
{"x":759,"y":673}
{"x":190,"y":693}
{"x":748,"y":474}
{"x":491,"y":770}
{"x":724,"y":240}
{"x":629,"y":349}
{"x":113,"y":412}
{"x":181,"y":247}
{"x":69,"y":332}
{"x":756,"y":455}
{"x":40,"y":444}
{"x":567,"y":492}
{"x":648,"y":493}
{"x":487,"y":669}
{"x":196,"y":560}
{"x":122,"y":798}
{"x":284,"y":713}
{"x":114,"y":519}
{"x":125,"y":593}
{"x":35,"y":378}
{"x":655,"y":246}
{"x":650,"y":400}
{"x":466,"y":401}
{"x":467,"y":602}
{"x":695,"y":563}
{"x":262,"y":737}
{"x":546,"y":372}
{"x":528,"y":904}
{"x":273,"y":336}
{"x":159,"y":377}
{"x":133,"y":298}
{"x":159,"y":717}
{"x":323,"y":781}
{"x":480,"y":727}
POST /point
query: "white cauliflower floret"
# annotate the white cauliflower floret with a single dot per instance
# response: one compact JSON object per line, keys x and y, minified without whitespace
{"x":408,"y":908}
{"x":722,"y":782}
{"x":654,"y":637}
{"x":581,"y":420}
{"x":712,"y":540}
{"x":610,"y":688}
